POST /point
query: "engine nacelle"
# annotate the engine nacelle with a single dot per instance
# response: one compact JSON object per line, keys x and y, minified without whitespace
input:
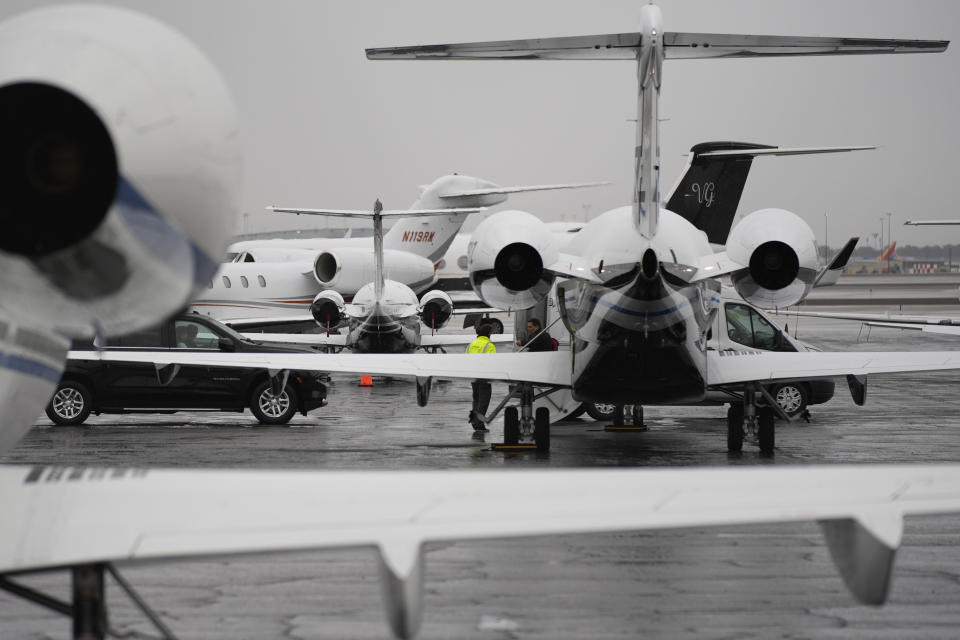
{"x":120,"y":165}
{"x":436,"y":307}
{"x":507,"y":259}
{"x":781,"y":253}
{"x":327,"y":309}
{"x":346,"y":270}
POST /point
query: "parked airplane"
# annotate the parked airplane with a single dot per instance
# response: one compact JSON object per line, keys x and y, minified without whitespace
{"x":385,"y":315}
{"x":86,"y":519}
{"x":276,"y":278}
{"x":638,"y":286}
{"x":707,"y":194}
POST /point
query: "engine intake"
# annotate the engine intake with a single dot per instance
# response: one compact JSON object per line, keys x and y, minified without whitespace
{"x":436,"y":307}
{"x":507,"y":259}
{"x":327,"y":309}
{"x":780,"y":252}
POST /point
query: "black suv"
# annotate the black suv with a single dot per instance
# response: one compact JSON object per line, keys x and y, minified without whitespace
{"x":119,"y":387}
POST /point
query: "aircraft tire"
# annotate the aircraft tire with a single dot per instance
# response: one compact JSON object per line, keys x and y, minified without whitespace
{"x":511,"y":426}
{"x":735,"y":427}
{"x":765,"y":429}
{"x":270,"y":409}
{"x":70,"y":403}
{"x":541,"y":429}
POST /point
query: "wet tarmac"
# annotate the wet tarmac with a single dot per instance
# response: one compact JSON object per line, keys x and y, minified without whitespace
{"x":734,"y":582}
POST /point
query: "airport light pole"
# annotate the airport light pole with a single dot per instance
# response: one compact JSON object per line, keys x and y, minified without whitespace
{"x":826,"y":236}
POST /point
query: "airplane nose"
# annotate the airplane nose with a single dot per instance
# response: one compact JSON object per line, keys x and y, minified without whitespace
{"x":649,"y":264}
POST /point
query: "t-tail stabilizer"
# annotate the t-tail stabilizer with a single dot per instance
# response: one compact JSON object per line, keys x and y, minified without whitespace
{"x":708,"y":192}
{"x":649,"y":47}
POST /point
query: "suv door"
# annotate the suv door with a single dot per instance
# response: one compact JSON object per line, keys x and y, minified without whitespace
{"x":130,"y":384}
{"x":202,"y":387}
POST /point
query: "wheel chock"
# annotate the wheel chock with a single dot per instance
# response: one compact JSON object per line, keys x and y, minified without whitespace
{"x":624,"y":427}
{"x":512,"y":448}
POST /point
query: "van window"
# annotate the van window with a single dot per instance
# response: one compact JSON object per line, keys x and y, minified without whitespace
{"x":262,"y":281}
{"x":746,"y":326}
{"x":226,"y":282}
{"x":243,"y":281}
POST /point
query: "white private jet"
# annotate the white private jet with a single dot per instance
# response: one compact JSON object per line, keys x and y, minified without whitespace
{"x":637,"y":286}
{"x":128,"y":247}
{"x":285,"y":278}
{"x":384,"y":315}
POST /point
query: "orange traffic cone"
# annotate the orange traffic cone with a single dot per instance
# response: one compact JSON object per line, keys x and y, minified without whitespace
{"x":366,"y":381}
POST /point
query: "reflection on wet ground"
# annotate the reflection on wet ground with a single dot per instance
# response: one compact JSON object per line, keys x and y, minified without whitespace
{"x":733,"y":582}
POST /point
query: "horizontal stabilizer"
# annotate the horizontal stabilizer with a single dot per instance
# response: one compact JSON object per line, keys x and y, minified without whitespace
{"x":930,"y":223}
{"x":777,"y":151}
{"x":624,"y":46}
{"x":386,"y":213}
{"x":521,"y":189}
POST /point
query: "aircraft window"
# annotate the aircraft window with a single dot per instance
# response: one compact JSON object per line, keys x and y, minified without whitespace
{"x":146,"y":338}
{"x":243,"y":281}
{"x":231,"y":256}
{"x":193,"y":335}
{"x":248,"y":258}
{"x":262,"y":281}
{"x":226,"y":282}
{"x":462,"y":262}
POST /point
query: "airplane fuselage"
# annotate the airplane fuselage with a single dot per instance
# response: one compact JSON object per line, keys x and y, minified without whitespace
{"x":388,"y":325}
{"x":641,"y":335}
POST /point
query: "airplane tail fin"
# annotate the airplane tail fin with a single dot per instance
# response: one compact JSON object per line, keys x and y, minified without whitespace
{"x":431,"y":238}
{"x":708,"y":192}
{"x":377,"y":216}
{"x":890,"y":253}
{"x":648,"y":49}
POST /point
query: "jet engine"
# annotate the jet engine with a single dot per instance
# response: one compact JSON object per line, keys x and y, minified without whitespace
{"x":327,"y":309}
{"x":120,"y":165}
{"x":436,"y":307}
{"x":346,"y":270}
{"x":507,"y":259}
{"x":781,"y":254}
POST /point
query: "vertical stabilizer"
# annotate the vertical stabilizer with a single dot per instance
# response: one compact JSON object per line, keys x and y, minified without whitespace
{"x":646,"y":192}
{"x":378,"y":276}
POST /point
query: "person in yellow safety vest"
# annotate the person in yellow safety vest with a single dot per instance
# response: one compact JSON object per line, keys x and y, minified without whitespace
{"x":481,"y":388}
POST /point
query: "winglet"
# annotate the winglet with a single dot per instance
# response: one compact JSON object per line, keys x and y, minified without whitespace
{"x":831,"y":273}
{"x":402,"y":583}
{"x":863,"y":549}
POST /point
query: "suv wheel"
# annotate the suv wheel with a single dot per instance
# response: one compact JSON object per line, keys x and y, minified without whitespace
{"x":791,"y":396}
{"x":70,"y":403}
{"x":601,"y":410}
{"x":271,"y":408}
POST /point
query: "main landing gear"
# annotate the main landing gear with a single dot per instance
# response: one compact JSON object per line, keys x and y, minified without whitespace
{"x":524,"y":429}
{"x":754,"y":418}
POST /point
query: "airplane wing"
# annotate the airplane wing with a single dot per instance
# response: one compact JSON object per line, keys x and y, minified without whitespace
{"x":918,"y":223}
{"x":947,"y":330}
{"x":56,"y":517}
{"x":731,"y":367}
{"x":243,"y":323}
{"x":829,"y":274}
{"x":520,"y":189}
{"x":551,"y":368}
{"x":886,"y":318}
{"x":340,"y":340}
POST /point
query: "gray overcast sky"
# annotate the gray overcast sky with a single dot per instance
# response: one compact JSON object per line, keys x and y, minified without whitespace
{"x":323,"y":126}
